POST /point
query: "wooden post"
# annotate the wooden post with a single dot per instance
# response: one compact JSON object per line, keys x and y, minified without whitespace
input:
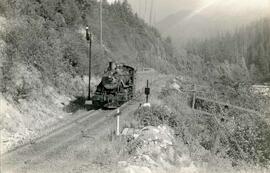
{"x":117,"y":125}
{"x":117,"y":122}
{"x":89,"y":38}
{"x":194,"y":97}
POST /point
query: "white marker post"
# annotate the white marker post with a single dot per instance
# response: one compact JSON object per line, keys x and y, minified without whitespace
{"x":118,"y":122}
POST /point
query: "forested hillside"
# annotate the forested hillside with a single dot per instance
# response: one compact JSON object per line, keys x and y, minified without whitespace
{"x":246,"y":52}
{"x":48,"y":37}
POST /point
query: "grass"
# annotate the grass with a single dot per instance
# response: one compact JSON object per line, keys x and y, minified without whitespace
{"x":108,"y":151}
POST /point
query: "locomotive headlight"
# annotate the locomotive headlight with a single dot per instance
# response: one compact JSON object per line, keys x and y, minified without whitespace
{"x":110,"y":78}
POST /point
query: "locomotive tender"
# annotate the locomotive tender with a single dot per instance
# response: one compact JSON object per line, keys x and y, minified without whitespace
{"x":116,"y":87}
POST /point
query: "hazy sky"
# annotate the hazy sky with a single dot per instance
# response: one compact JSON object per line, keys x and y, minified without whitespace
{"x":163,"y":8}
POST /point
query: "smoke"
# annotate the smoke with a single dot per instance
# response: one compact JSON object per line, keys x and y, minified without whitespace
{"x":202,"y":8}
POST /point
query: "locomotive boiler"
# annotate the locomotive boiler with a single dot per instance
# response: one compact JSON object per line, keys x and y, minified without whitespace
{"x":116,"y":87}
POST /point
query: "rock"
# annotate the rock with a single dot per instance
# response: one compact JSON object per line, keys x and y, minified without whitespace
{"x":175,"y":86}
{"x":125,"y":132}
{"x":184,"y":161}
{"x":179,"y":78}
{"x":156,"y":152}
{"x":122,"y":164}
{"x":135,"y":169}
{"x":161,"y":134}
{"x":149,"y":160}
{"x":146,"y":105}
{"x":191,"y":169}
{"x":130,"y":132}
{"x":165,"y":164}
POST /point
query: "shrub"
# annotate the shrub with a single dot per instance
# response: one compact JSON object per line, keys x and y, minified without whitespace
{"x":3,"y":7}
{"x":22,"y":91}
{"x":156,"y":115}
{"x":253,"y":138}
{"x":237,"y":135}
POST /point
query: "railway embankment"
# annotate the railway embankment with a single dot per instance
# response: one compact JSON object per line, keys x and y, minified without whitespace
{"x":87,"y":143}
{"x":27,"y":118}
{"x":170,"y":136}
{"x":43,"y":108}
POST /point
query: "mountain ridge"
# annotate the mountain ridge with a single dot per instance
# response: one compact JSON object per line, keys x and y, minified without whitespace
{"x":184,"y":26}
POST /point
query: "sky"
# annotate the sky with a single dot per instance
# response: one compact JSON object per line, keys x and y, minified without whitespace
{"x":164,"y":8}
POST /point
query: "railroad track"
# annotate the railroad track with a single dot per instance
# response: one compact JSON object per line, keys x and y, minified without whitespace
{"x":53,"y":142}
{"x":89,"y":126}
{"x":61,"y":136}
{"x":61,"y":127}
{"x":51,"y":132}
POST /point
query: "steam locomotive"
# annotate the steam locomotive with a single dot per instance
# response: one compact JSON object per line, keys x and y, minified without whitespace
{"x":116,"y":87}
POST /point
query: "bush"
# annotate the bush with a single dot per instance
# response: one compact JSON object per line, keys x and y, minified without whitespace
{"x":236,"y":135}
{"x":3,"y":7}
{"x":22,"y":91}
{"x":156,"y":115}
{"x":253,"y":138}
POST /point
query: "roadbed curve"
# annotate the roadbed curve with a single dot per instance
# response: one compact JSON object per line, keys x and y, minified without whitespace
{"x":141,"y":78}
{"x":70,"y":147}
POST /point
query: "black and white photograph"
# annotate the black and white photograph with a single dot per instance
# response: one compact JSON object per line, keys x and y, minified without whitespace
{"x":134,"y":86}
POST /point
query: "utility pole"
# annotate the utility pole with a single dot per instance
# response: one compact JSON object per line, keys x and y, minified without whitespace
{"x":145,"y":11}
{"x":140,"y":6}
{"x":89,"y":38}
{"x":155,"y":14}
{"x":100,"y":21}
{"x":151,"y":12}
